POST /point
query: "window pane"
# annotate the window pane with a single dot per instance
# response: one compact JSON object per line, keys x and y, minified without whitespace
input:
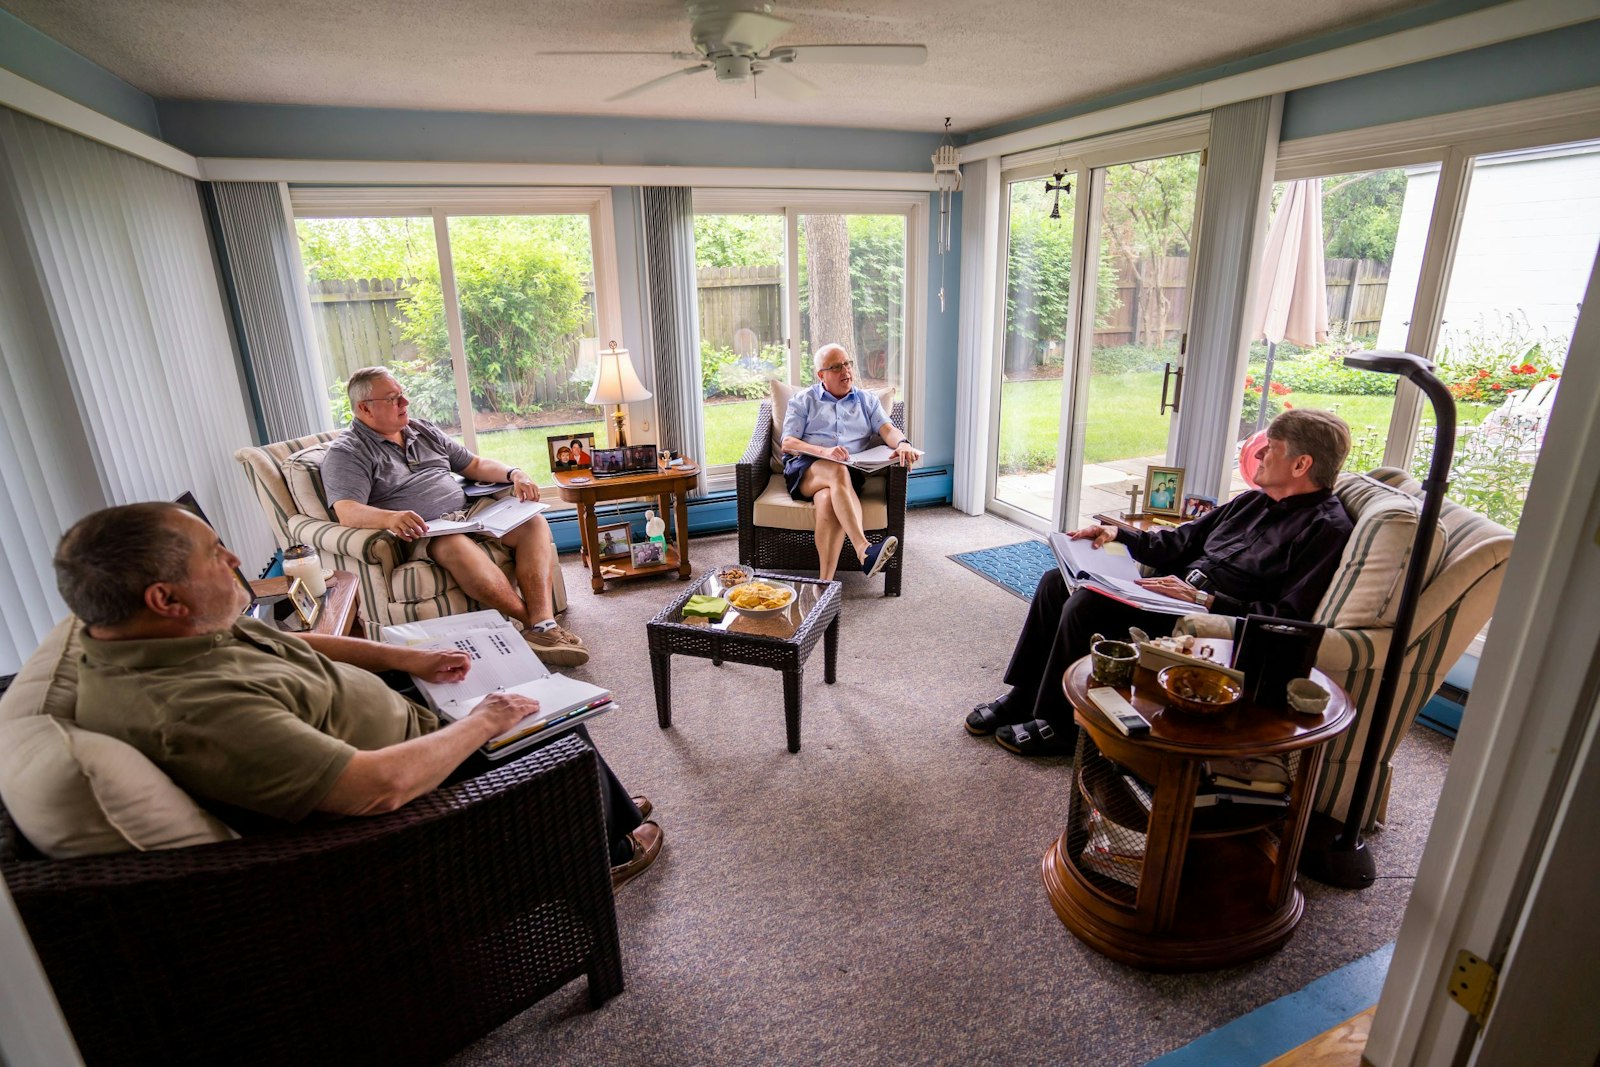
{"x":1038,"y":284}
{"x":371,"y":283}
{"x":525,"y":284}
{"x":739,"y":262}
{"x":1373,"y":227}
{"x":1522,"y":263}
{"x":852,"y":292}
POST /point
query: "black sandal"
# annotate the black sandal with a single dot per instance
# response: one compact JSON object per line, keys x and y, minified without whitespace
{"x":1032,"y":738}
{"x":985,"y":719}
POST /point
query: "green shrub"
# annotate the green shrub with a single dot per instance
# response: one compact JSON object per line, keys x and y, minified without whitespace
{"x":430,"y":387}
{"x":722,"y":373}
{"x":1325,"y":372}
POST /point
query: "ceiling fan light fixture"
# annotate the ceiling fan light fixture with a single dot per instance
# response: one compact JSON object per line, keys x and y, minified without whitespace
{"x":732,"y":68}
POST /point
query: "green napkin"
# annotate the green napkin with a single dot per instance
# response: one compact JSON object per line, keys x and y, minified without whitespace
{"x":705,"y":607}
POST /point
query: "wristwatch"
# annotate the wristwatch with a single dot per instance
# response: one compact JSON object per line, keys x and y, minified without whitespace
{"x":510,"y":471}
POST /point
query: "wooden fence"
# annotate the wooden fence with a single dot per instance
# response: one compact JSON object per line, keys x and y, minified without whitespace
{"x":740,"y":307}
{"x":1357,"y":289}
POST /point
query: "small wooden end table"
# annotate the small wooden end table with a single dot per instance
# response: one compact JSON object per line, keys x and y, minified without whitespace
{"x":341,"y":611}
{"x":584,"y":490}
{"x":781,"y":641}
{"x":1147,"y":878}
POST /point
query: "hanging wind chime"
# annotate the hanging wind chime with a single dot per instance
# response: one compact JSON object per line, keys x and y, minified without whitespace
{"x":947,"y":179}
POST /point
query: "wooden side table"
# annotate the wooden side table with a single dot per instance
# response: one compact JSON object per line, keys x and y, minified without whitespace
{"x":341,"y":611}
{"x":1150,"y":880}
{"x":577,"y":487}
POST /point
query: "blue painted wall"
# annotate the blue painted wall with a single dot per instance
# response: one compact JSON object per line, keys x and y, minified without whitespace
{"x":26,"y":51}
{"x":943,"y":336}
{"x":207,"y":128}
{"x":1554,"y":62}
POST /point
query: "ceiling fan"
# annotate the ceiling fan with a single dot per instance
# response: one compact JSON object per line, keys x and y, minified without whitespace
{"x":734,"y":39}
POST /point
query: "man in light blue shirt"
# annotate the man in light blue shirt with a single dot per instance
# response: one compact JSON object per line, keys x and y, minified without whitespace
{"x":824,"y":425}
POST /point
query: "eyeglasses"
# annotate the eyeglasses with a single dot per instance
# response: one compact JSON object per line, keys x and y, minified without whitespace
{"x":398,"y":398}
{"x":848,"y":364}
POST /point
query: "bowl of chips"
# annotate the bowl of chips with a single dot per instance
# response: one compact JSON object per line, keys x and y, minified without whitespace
{"x":764,"y":596}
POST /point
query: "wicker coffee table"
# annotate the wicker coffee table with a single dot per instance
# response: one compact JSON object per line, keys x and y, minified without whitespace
{"x":781,"y":641}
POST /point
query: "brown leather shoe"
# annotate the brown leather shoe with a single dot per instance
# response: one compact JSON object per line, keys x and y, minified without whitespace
{"x":647,"y":841}
{"x":642,"y":802}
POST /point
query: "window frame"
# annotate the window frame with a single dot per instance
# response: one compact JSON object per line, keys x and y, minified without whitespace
{"x":791,"y":204}
{"x":441,"y":203}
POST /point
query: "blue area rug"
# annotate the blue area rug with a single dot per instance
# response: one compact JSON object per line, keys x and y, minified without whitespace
{"x":1016,"y":568}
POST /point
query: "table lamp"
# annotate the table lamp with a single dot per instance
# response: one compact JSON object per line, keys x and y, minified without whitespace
{"x":1335,"y":854}
{"x":615,"y":382}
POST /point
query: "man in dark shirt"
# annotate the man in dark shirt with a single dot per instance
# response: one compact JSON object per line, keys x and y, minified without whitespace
{"x":1268,"y":552}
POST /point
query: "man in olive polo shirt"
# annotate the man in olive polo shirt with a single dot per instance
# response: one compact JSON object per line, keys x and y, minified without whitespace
{"x":391,"y":472}
{"x":239,"y":713}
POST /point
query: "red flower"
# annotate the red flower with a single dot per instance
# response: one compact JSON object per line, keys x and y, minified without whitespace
{"x":1495,"y":386}
{"x":1483,"y":374}
{"x":1249,"y":380}
{"x":1554,"y":374}
{"x":1529,"y":368}
{"x":1279,"y":389}
{"x":1287,"y":406}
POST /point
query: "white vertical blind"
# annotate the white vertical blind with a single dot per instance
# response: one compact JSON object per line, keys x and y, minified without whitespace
{"x":982,"y":273}
{"x":121,"y":382}
{"x":1238,"y":178}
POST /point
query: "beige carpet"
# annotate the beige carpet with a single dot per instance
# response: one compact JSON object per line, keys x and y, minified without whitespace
{"x":876,"y":897}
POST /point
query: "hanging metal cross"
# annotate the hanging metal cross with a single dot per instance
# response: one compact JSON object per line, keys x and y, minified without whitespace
{"x":1058,"y":186}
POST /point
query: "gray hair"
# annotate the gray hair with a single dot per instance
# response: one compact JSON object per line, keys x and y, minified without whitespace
{"x":1322,"y":435}
{"x":110,"y":557}
{"x":364,"y":380}
{"x":832,"y":346}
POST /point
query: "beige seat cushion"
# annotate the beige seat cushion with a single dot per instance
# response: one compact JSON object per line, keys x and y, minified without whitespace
{"x":1365,"y":591}
{"x":775,"y":508}
{"x":782,"y":392}
{"x":302,"y":472}
{"x":74,"y":792}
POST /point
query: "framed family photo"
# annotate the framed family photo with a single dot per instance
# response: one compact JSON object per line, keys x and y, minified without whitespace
{"x":614,"y":540}
{"x":646,"y":553}
{"x":1163,"y":490}
{"x":308,"y":607}
{"x":1195,"y":505}
{"x":570,"y":452}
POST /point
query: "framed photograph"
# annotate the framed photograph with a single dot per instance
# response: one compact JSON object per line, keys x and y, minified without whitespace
{"x":1195,"y":505}
{"x":614,"y":541}
{"x":308,"y":607}
{"x":571,"y":451}
{"x":646,"y":553}
{"x":1163,"y":490}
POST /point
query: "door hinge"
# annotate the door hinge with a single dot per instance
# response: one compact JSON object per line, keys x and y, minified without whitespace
{"x":1183,"y":343}
{"x":1204,"y":153}
{"x":1472,"y":985}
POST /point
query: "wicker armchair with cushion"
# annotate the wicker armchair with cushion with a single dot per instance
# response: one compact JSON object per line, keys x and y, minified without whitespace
{"x":390,"y":939}
{"x":779,"y":533}
{"x":287,"y":478}
{"x":1462,"y":582}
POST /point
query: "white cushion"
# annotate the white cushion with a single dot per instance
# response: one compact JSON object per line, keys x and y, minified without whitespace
{"x":1365,"y":591}
{"x":781,"y":394}
{"x":775,"y":508}
{"x":74,"y":792}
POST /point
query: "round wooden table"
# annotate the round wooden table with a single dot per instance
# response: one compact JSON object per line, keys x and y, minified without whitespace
{"x":1143,"y":875}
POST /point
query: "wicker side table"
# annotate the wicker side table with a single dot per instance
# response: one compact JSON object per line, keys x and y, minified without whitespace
{"x":781,"y":642}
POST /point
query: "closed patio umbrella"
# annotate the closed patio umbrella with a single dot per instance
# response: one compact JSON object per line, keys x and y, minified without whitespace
{"x":1293,"y":301}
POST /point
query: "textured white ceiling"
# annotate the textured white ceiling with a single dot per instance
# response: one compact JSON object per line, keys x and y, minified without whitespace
{"x":988,"y":62}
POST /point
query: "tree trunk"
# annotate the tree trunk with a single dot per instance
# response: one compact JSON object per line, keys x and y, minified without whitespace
{"x":831,"y":312}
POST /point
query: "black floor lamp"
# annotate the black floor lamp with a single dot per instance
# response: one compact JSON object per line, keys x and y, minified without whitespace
{"x":1335,"y":854}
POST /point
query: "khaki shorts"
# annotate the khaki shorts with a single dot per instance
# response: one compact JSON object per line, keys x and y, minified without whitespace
{"x":419,"y":547}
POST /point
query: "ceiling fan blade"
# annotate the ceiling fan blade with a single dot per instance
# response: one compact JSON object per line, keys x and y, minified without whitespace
{"x":652,"y":83}
{"x":785,"y":83}
{"x":695,"y":56}
{"x":891,"y":55}
{"x":751,"y":29}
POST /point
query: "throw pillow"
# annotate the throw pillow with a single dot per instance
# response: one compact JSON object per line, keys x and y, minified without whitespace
{"x":74,"y":792}
{"x":48,"y":681}
{"x":1365,"y":591}
{"x":302,"y":472}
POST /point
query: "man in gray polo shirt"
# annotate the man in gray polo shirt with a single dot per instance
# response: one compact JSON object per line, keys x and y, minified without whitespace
{"x":391,"y":472}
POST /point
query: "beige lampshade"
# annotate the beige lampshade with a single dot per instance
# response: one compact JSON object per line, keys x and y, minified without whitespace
{"x":615,"y":381}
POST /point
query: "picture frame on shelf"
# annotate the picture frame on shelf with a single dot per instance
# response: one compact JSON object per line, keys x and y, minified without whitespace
{"x":646,"y":554}
{"x":613,"y":540}
{"x":1195,"y":505}
{"x":1163,"y":491}
{"x":306,"y":606}
{"x":570,"y":451}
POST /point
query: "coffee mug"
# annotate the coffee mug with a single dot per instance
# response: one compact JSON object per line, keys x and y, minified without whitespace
{"x":1112,"y":662}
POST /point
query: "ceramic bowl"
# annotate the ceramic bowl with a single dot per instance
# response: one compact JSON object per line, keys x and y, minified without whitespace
{"x":1307,"y":697}
{"x":732,"y":574}
{"x":790,"y":594}
{"x":1199,"y":689}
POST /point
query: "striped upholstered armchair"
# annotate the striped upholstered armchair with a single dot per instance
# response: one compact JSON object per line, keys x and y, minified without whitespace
{"x":1468,"y":562}
{"x":287,"y":478}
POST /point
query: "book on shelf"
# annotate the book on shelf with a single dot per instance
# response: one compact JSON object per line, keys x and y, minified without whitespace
{"x":498,"y":519}
{"x":501,"y":659}
{"x":876,"y":458}
{"x":1111,"y":572}
{"x":1209,"y":795}
{"x":1259,"y":774}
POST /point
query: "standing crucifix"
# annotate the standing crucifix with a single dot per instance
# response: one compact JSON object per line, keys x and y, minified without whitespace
{"x":1133,"y":499}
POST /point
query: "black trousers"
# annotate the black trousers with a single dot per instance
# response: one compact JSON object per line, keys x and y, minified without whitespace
{"x":621,"y":813}
{"x":1057,"y":634}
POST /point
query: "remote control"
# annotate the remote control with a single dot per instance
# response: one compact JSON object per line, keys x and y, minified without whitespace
{"x":1121,"y":713}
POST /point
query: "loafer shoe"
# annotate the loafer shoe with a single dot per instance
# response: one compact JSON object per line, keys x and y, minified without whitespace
{"x":642,"y":802}
{"x":647,"y":841}
{"x":879,"y":555}
{"x":557,"y":647}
